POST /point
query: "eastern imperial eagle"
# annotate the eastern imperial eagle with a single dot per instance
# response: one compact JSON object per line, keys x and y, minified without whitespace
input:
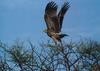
{"x":54,"y":21}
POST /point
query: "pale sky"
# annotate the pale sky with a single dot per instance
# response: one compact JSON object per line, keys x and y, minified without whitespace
{"x":24,"y":19}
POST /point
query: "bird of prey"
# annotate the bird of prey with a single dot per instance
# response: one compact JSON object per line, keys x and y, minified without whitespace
{"x":54,"y":20}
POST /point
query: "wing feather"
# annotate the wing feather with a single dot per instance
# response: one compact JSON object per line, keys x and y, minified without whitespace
{"x":50,"y":13}
{"x":61,"y":14}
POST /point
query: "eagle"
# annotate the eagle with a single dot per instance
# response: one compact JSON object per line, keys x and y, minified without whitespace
{"x":54,"y":20}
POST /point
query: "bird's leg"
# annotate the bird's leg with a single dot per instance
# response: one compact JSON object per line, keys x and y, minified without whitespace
{"x":54,"y":39}
{"x":61,"y":45}
{"x":55,"y":42}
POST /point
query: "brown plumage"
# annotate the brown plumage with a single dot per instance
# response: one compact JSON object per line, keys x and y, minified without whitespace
{"x":54,"y":21}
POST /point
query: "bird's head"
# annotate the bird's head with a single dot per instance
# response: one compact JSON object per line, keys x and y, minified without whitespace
{"x":45,"y":30}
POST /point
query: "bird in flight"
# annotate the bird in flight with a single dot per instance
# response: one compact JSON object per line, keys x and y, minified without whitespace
{"x":54,"y":20}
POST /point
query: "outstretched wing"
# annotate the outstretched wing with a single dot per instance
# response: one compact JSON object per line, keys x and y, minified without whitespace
{"x":61,"y":14}
{"x":51,"y":16}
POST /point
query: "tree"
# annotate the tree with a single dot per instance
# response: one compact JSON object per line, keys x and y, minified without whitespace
{"x":72,"y":56}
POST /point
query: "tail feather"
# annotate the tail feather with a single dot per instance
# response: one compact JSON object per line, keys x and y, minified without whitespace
{"x":63,"y":35}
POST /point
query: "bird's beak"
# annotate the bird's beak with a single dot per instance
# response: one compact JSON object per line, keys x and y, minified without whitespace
{"x":45,"y":30}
